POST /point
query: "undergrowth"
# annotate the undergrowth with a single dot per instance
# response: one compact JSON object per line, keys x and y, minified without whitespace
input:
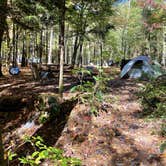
{"x":153,"y":100}
{"x":92,"y":92}
{"x":42,"y":153}
{"x":47,"y":106}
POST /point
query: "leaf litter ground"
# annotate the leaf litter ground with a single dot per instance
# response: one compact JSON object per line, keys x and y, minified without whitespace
{"x":117,"y":137}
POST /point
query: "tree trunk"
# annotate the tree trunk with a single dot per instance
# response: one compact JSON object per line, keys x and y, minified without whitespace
{"x":164,"y":47}
{"x":61,"y":44}
{"x":67,"y":54}
{"x":3,"y":25}
{"x":74,"y":56}
{"x":36,"y":45}
{"x":50,"y":47}
{"x":101,"y":54}
{"x":16,"y":43}
{"x":24,"y":55}
{"x":2,"y":161}
{"x":13,"y":45}
{"x":94,"y":53}
{"x":9,"y":45}
{"x":80,"y":52}
{"x":41,"y":46}
{"x":46,"y":44}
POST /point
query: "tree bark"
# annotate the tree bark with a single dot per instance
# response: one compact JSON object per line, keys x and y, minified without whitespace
{"x":76,"y":46}
{"x":80,"y":51}
{"x":101,"y":54}
{"x":16,"y":43}
{"x":46,"y":44}
{"x":3,"y":25}
{"x":164,"y":47}
{"x":61,"y":45}
{"x":50,"y":47}
{"x":24,"y":54}
{"x":41,"y":46}
{"x":2,"y":161}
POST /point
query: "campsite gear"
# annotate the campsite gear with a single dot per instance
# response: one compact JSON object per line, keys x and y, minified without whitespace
{"x":14,"y":70}
{"x":110,"y":62}
{"x":140,"y":67}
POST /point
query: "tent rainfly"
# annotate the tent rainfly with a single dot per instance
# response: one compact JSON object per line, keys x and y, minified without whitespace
{"x":140,"y":67}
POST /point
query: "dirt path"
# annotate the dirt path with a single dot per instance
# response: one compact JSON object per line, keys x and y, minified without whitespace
{"x":117,"y":137}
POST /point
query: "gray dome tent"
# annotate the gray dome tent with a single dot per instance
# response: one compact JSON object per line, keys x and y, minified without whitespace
{"x":137,"y":67}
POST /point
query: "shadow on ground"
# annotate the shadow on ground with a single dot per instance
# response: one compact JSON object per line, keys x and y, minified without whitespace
{"x":49,"y":131}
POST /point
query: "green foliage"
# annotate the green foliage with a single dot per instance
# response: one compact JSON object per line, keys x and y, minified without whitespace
{"x":43,"y":152}
{"x":163,"y":147}
{"x":92,"y":93}
{"x":11,"y":155}
{"x":163,"y":130}
{"x":48,"y":107}
{"x":127,"y":38}
{"x":81,"y":73}
{"x":153,"y":99}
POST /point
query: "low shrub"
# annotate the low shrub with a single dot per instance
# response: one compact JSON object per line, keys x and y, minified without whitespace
{"x":153,"y":99}
{"x":43,"y":152}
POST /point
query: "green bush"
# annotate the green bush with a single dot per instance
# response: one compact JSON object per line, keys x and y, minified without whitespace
{"x":163,"y":130}
{"x":153,"y":99}
{"x":92,"y":93}
{"x":43,"y":152}
{"x":48,"y":107}
{"x":163,"y":147}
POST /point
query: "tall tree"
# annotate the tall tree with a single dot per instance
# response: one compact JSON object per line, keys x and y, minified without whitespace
{"x":62,"y":10}
{"x":3,"y":26}
{"x":154,"y":17}
{"x":83,"y":17}
{"x":2,"y":160}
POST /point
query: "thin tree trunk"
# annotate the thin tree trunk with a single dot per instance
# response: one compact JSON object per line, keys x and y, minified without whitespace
{"x":66,"y":51}
{"x":9,"y":45}
{"x":14,"y":45}
{"x":36,"y":46}
{"x":28,"y":45}
{"x":46,"y":45}
{"x":51,"y":46}
{"x":41,"y":46}
{"x":74,"y":56}
{"x":61,"y":45}
{"x":80,"y":52}
{"x":94,"y":53}
{"x":164,"y":47}
{"x":67,"y":54}
{"x":24,"y":55}
{"x":101,"y":54}
{"x":3,"y":25}
{"x":2,"y":161}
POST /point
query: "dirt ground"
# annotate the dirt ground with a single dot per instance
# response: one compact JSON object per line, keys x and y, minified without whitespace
{"x":116,"y":137}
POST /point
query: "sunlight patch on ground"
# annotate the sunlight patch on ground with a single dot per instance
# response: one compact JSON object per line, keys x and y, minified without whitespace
{"x":27,"y":129}
{"x":5,"y":85}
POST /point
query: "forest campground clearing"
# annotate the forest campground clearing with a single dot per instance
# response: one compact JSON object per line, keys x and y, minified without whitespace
{"x":117,"y":136}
